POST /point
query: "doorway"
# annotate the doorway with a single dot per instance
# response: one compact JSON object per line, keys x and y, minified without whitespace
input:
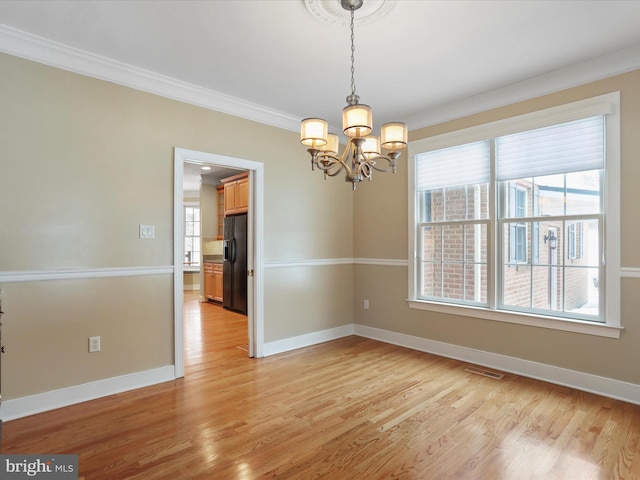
{"x":255,"y":288}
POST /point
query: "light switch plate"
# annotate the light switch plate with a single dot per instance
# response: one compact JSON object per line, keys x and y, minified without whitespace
{"x":147,"y":231}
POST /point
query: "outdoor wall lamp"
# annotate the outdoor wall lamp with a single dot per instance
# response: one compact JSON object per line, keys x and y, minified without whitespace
{"x":553,"y":240}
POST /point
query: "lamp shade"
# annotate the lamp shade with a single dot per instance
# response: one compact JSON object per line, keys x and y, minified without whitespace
{"x":357,"y":120}
{"x":394,"y":135}
{"x":332,"y":146}
{"x":371,"y":147}
{"x":313,"y":132}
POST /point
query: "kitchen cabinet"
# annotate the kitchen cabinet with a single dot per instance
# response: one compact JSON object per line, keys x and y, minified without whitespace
{"x":217,"y":282}
{"x":236,"y":194}
{"x":213,"y":281}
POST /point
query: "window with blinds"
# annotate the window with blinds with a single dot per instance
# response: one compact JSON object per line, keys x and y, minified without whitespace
{"x":453,"y":187}
{"x":515,"y":221}
{"x":553,"y":176}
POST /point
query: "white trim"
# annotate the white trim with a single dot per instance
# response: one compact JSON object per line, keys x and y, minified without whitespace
{"x":628,"y":392}
{"x":321,"y":262}
{"x":567,"y":325}
{"x":178,"y":260}
{"x":38,"y":49}
{"x":386,"y":262}
{"x":605,"y":66}
{"x":19,"y":276}
{"x":66,"y":274}
{"x":613,"y":231}
{"x":630,"y":272}
{"x":608,"y":104}
{"x":255,"y":305}
{"x":306,"y":340}
{"x":42,"y":402}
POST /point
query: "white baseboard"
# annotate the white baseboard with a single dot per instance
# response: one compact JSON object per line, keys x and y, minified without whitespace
{"x":307,"y":340}
{"x":628,"y":392}
{"x":608,"y":387}
{"x":42,"y":402}
{"x":191,"y":287}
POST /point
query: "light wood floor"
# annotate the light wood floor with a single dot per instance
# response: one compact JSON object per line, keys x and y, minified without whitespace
{"x":347,"y":409}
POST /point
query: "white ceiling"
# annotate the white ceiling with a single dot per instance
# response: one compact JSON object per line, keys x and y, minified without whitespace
{"x":421,"y":58}
{"x":193,"y":175}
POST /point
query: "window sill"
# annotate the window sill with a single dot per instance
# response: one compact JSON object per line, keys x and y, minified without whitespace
{"x":576,"y":326}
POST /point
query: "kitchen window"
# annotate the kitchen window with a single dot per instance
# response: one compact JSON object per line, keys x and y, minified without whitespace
{"x":191,"y":236}
{"x":511,"y":223}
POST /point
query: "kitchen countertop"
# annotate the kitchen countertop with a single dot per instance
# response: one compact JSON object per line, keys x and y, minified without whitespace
{"x":212,"y":258}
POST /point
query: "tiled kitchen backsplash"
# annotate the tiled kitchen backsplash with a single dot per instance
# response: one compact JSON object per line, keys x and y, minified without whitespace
{"x":211,"y":246}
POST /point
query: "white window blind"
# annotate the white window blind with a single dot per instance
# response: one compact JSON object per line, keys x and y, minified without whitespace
{"x":564,"y":148}
{"x":460,"y":165}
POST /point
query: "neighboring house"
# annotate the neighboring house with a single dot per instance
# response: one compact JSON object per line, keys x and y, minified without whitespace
{"x":540,"y":246}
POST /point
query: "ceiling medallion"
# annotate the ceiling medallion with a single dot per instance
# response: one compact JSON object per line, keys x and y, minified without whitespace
{"x":332,"y":12}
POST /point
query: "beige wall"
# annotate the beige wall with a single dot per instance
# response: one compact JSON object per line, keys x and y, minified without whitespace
{"x":209,"y":210}
{"x":385,"y":236}
{"x":89,"y":161}
{"x":83,"y":163}
{"x":47,"y":325}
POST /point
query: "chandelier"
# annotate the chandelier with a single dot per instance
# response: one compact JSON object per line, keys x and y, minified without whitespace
{"x":362,"y":154}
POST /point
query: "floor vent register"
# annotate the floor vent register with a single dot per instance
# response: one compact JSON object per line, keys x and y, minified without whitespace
{"x":484,"y":373}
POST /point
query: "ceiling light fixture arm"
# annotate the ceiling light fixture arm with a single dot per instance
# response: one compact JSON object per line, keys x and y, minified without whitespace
{"x":354,"y":162}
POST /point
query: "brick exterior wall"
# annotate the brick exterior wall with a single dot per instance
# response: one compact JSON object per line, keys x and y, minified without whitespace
{"x":527,"y":285}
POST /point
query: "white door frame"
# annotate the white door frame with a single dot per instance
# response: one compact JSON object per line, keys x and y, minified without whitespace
{"x":255,"y":220}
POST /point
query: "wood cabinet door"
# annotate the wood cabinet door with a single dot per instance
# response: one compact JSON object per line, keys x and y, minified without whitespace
{"x":236,"y":194}
{"x":217,"y":284}
{"x":208,"y":281}
{"x":230,"y":198}
{"x":242,"y":195}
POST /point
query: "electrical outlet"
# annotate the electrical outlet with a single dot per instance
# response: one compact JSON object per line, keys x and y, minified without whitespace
{"x":94,"y":344}
{"x":366,"y":304}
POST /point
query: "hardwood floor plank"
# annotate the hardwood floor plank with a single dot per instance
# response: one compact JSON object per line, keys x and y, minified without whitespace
{"x":350,"y":409}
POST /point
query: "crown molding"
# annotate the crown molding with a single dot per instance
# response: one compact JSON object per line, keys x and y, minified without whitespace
{"x":599,"y":68}
{"x":38,"y":49}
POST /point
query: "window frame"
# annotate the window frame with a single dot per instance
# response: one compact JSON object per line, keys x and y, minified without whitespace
{"x":517,"y":250}
{"x":608,"y":104}
{"x":191,"y":266}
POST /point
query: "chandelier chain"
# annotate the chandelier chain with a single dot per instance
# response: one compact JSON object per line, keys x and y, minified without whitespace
{"x":353,"y":50}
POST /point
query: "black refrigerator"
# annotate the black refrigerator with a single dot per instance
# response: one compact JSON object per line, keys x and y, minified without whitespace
{"x":234,"y":263}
